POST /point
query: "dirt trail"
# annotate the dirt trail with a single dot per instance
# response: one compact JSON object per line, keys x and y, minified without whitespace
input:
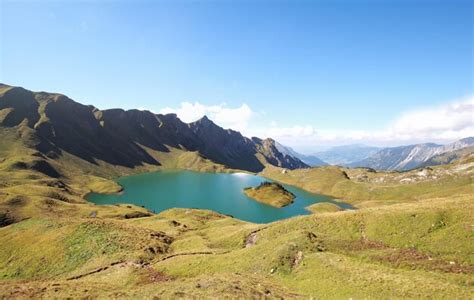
{"x":193,"y":253}
{"x":96,"y":270}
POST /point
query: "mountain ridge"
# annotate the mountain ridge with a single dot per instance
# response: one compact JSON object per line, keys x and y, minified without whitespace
{"x":346,"y":154}
{"x":120,"y":137}
{"x":310,"y":160}
{"x":408,"y":157}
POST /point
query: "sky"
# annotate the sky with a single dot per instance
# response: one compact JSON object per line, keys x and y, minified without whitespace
{"x":311,"y":74}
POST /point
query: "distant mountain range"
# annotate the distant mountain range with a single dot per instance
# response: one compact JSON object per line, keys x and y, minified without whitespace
{"x":392,"y":158}
{"x":448,"y":157}
{"x":344,"y":155}
{"x":56,"y":124}
{"x":413,"y":156}
{"x":310,"y":160}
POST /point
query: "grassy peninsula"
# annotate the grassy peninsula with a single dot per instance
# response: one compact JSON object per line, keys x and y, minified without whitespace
{"x":270,"y":193}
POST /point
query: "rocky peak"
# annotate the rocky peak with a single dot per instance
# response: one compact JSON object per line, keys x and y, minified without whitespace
{"x":204,"y":122}
{"x":269,"y":141}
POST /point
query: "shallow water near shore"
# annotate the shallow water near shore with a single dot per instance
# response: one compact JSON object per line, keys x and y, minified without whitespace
{"x":220,"y":192}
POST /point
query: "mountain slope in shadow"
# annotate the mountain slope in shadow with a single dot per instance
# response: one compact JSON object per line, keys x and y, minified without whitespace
{"x":120,"y":137}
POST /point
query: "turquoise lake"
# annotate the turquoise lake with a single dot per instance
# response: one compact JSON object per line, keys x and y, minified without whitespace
{"x":219,"y":192}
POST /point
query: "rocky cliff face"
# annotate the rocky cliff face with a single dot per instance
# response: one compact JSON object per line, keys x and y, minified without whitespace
{"x":409,"y":157}
{"x":310,"y":160}
{"x":121,"y":137}
{"x":268,"y":148}
{"x":227,"y":147}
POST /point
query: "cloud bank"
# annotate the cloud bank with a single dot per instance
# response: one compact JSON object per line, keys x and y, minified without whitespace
{"x":234,"y":118}
{"x":442,"y":123}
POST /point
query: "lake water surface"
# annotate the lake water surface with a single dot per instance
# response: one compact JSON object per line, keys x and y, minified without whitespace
{"x":219,"y":192}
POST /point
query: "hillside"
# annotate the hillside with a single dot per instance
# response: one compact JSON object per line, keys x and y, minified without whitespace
{"x":366,"y":187}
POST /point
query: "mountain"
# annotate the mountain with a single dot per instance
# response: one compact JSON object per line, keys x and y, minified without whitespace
{"x":269,"y":148}
{"x":460,"y":144}
{"x":412,"y":156}
{"x":344,"y":155}
{"x":57,"y":125}
{"x":448,"y":157}
{"x":310,"y":160}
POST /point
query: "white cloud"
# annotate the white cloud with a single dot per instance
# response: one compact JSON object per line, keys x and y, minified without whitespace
{"x":146,"y":109}
{"x":455,"y":116}
{"x":295,"y":131}
{"x":235,"y":118}
{"x":443,"y":123}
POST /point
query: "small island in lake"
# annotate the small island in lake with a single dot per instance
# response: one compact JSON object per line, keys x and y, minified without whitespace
{"x":270,"y":193}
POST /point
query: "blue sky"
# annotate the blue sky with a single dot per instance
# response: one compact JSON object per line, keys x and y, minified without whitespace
{"x":310,"y":73}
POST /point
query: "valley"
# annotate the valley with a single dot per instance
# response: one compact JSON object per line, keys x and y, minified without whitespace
{"x":408,"y":238}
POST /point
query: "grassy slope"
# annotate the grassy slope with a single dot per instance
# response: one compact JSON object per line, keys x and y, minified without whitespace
{"x":323,"y":207}
{"x":59,"y":245}
{"x":404,"y":250}
{"x":364,"y":188}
